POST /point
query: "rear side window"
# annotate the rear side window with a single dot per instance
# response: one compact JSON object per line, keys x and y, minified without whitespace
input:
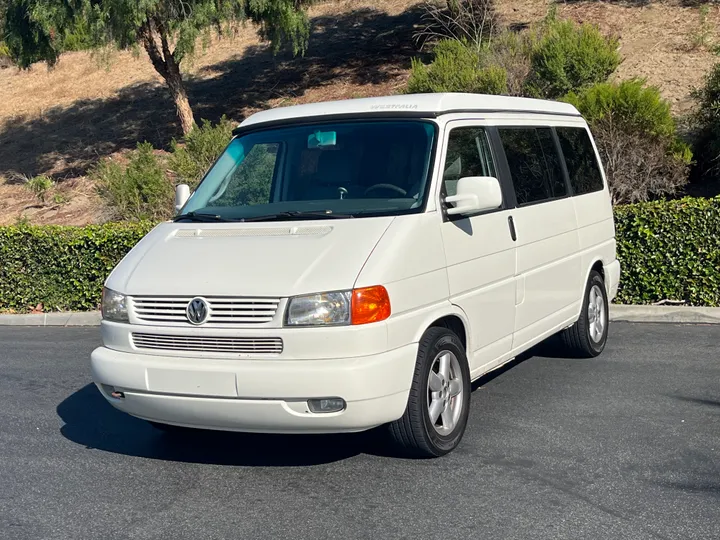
{"x":534,"y":164}
{"x":468,"y":154}
{"x":582,"y":165}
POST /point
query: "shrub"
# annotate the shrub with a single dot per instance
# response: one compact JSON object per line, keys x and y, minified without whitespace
{"x":637,"y":140}
{"x":707,"y":118}
{"x":700,"y":36}
{"x":62,"y":268}
{"x":634,"y":106}
{"x":40,"y":185}
{"x":457,"y":67}
{"x":202,"y":147}
{"x":511,"y":51}
{"x":669,"y":250}
{"x":569,"y":57}
{"x":638,"y":167}
{"x":463,"y":20}
{"x":139,"y":190}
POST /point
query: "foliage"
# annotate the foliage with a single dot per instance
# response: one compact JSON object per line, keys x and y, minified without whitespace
{"x":39,"y":27}
{"x":62,"y":268}
{"x":547,"y":61}
{"x":707,"y":119}
{"x":670,"y":250}
{"x":139,"y":190}
{"x":638,"y":167}
{"x":636,"y":107}
{"x":60,"y":198}
{"x":457,"y":67}
{"x":568,"y":57}
{"x":637,"y":139}
{"x":38,"y":30}
{"x":700,"y":36}
{"x":472,"y":21}
{"x":511,"y":51}
{"x":40,"y":185}
{"x":202,"y":147}
{"x":667,"y":249}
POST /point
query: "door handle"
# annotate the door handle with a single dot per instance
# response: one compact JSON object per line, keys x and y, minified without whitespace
{"x":511,"y":223}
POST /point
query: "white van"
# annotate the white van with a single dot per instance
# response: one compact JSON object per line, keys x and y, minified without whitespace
{"x":359,"y":263}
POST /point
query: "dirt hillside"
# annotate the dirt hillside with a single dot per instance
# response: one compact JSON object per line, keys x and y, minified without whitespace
{"x":59,"y":122}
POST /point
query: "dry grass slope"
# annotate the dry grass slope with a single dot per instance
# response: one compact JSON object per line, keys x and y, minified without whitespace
{"x":61,"y":121}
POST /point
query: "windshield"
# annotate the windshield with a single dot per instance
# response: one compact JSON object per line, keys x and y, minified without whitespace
{"x":346,"y":169}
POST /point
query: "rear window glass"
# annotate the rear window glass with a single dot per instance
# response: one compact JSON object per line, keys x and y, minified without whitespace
{"x":534,"y":164}
{"x":582,"y":165}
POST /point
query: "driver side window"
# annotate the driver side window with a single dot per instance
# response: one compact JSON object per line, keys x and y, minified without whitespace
{"x":468,"y":154}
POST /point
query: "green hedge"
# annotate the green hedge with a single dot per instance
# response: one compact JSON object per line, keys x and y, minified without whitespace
{"x":62,"y":268}
{"x":668,"y":250}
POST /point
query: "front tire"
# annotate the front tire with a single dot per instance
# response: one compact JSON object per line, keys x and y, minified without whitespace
{"x":587,"y":337}
{"x":439,"y":402}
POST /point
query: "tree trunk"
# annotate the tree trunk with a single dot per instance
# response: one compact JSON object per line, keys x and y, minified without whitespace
{"x":179,"y":95}
{"x":168,"y":66}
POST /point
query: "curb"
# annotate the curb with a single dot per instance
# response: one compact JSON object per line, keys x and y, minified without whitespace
{"x":665,"y":314}
{"x":618,"y":313}
{"x":70,"y":318}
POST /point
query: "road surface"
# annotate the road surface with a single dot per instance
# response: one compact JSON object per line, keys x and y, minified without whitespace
{"x":625,"y":446}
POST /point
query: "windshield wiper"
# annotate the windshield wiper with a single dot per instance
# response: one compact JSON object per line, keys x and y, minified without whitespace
{"x":195,"y":216}
{"x":310,"y":214}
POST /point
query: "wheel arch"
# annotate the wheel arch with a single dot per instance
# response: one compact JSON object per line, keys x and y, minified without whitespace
{"x":597,"y":264}
{"x":454,"y":319}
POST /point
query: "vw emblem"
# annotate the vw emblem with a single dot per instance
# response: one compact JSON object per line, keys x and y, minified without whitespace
{"x":197,"y":311}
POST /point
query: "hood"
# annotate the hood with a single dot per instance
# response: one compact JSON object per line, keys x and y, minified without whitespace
{"x":276,"y":259}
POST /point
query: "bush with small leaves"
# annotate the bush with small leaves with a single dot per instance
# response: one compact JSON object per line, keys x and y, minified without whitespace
{"x":638,"y":167}
{"x":707,"y":120}
{"x":138,"y":190}
{"x":40,"y":185}
{"x":634,"y":105}
{"x":190,"y":162}
{"x":457,"y":67}
{"x":637,"y":139}
{"x":568,"y":57}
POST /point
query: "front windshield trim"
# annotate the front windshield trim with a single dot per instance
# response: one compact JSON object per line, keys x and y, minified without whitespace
{"x":354,"y":118}
{"x":333,"y":118}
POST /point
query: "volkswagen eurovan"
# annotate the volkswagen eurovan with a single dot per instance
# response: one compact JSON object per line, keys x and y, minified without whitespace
{"x":355,"y":264}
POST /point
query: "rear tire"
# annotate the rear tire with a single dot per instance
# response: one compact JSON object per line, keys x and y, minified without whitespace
{"x":587,"y":337}
{"x":439,"y":402}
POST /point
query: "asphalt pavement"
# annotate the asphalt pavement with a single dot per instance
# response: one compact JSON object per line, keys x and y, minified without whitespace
{"x":624,"y":446}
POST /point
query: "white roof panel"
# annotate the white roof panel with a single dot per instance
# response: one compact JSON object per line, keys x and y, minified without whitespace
{"x":416,"y":104}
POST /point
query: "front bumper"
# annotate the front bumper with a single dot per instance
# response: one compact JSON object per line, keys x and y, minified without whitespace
{"x":268,"y":395}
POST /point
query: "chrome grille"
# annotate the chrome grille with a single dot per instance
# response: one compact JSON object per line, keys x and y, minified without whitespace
{"x":234,"y":345}
{"x":223,"y":310}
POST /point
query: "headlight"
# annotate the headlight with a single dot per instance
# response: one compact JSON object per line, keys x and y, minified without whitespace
{"x":114,"y":306}
{"x":359,"y":306}
{"x":319,"y":309}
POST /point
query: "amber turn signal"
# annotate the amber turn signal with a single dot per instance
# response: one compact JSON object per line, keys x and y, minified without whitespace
{"x":371,"y":304}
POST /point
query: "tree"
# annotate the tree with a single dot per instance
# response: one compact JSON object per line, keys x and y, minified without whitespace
{"x":167,"y":29}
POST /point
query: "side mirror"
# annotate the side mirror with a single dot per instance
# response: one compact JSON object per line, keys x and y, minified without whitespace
{"x":182,"y":194}
{"x":475,"y":194}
